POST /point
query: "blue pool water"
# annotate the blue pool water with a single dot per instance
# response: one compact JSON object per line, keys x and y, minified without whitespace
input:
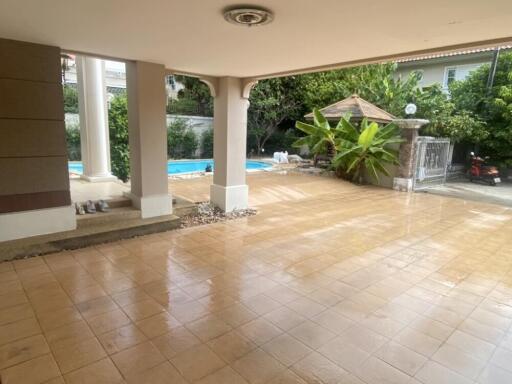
{"x":182,"y":167}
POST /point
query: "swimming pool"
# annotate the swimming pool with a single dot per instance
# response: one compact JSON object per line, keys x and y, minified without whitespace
{"x":182,"y":167}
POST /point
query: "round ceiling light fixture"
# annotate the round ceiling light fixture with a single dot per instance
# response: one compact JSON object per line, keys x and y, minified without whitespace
{"x":248,"y":16}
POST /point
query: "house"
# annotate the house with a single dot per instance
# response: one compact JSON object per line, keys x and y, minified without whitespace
{"x":443,"y":68}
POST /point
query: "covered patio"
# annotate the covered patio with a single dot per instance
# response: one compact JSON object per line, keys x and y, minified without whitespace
{"x":329,"y":283}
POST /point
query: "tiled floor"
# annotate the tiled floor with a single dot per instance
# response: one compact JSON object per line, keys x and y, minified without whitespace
{"x":329,"y":283}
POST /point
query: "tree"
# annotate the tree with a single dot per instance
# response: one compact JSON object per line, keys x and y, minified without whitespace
{"x":193,"y":99}
{"x":272,"y":102}
{"x":181,"y":140}
{"x":70,"y":95}
{"x":118,"y":129}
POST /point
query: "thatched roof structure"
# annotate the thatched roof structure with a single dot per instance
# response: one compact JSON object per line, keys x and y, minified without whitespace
{"x":358,"y":109}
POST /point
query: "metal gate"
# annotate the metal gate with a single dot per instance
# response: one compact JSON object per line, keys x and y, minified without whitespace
{"x":432,"y":156}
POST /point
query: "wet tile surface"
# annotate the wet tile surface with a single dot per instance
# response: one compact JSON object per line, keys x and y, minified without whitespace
{"x":328,"y":283}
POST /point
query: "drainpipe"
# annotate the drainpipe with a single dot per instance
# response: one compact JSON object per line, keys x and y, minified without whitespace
{"x":492,"y":71}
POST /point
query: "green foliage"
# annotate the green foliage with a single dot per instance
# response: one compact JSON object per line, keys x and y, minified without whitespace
{"x":353,"y":151}
{"x":194,"y":99}
{"x":70,"y":94}
{"x":272,"y":103}
{"x":119,"y":146}
{"x":181,"y":140}
{"x":73,"y":142}
{"x":491,"y":108}
{"x":369,"y":149}
{"x":207,"y":144}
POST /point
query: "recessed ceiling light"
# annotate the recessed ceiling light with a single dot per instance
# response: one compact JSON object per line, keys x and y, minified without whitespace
{"x":248,"y":16}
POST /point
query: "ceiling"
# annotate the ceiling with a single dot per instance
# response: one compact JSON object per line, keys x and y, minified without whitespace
{"x":192,"y":36}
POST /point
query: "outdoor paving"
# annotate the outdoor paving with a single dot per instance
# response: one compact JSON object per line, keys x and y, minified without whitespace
{"x":328,"y":283}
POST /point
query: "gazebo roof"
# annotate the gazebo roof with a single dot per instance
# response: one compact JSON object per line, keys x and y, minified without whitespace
{"x":358,"y":109}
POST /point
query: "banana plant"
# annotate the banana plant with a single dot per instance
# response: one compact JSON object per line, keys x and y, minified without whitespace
{"x":320,"y":136}
{"x":369,"y":148}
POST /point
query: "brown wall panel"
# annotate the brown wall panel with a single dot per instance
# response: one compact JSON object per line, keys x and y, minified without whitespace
{"x":28,"y":61}
{"x":33,"y":174}
{"x":31,"y":201}
{"x":32,"y":138}
{"x":31,"y":100}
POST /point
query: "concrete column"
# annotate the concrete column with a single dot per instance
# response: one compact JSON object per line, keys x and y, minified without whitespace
{"x":148,"y":138}
{"x":229,"y":190}
{"x":409,"y":129}
{"x":92,"y":105}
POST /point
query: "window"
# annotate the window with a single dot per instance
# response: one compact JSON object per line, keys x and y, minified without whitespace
{"x":450,"y":77}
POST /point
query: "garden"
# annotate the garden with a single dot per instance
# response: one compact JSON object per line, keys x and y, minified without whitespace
{"x":473,"y":114}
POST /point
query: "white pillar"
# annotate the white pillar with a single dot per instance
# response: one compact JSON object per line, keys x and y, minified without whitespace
{"x":229,"y":190}
{"x":147,"y":127}
{"x":92,"y":105}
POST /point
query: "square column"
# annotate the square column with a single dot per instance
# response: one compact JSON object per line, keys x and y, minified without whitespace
{"x":147,"y":128}
{"x":229,"y":190}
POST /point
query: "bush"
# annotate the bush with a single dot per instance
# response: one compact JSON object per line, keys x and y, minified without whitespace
{"x":70,"y":94}
{"x":207,"y":144}
{"x":118,"y":127}
{"x":181,"y":140}
{"x":73,"y":142}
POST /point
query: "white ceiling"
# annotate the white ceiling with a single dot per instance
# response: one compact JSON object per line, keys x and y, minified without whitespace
{"x":192,"y":36}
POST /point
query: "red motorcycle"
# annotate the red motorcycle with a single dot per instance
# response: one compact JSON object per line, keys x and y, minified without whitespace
{"x":479,"y":171}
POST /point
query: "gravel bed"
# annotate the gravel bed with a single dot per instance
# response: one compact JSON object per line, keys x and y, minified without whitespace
{"x":208,"y":213}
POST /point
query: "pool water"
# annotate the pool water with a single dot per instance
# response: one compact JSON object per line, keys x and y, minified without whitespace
{"x":182,"y":167}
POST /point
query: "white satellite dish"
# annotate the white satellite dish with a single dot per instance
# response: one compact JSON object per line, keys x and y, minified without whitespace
{"x":410,"y":109}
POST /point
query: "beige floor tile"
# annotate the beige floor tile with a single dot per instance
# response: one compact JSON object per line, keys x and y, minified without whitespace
{"x":108,"y":321}
{"x":161,"y":374}
{"x":287,"y":377}
{"x":493,"y":374}
{"x":71,"y":354}
{"x":18,"y":330}
{"x":316,"y":368}
{"x":312,"y":334}
{"x":363,"y":338}
{"x":197,"y":362}
{"x":286,"y":349}
{"x":100,"y":372}
{"x":502,"y":358}
{"x":306,"y":307}
{"x":259,"y":331}
{"x":22,"y":350}
{"x":344,"y":354}
{"x":137,"y":359}
{"x":158,"y":324}
{"x":143,"y":309}
{"x":435,"y":373}
{"x":472,"y":345}
{"x":401,"y":358}
{"x":224,"y":375}
{"x":418,"y":342}
{"x":16,"y":313}
{"x":236,"y":315}
{"x":35,"y":371}
{"x":376,"y":371}
{"x":258,"y":367}
{"x":208,"y":327}
{"x":121,"y":338}
{"x":175,"y":341}
{"x":458,"y":361}
{"x":77,"y":331}
{"x":284,"y":318}
{"x":333,"y":321}
{"x":231,"y":346}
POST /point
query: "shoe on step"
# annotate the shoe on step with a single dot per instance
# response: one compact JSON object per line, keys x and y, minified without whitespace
{"x":79,"y":209}
{"x":103,"y":206}
{"x":90,"y":207}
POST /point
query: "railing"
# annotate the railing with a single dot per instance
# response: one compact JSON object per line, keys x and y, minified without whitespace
{"x":432,"y":156}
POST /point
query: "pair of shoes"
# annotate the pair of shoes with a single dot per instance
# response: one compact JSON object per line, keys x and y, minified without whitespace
{"x":79,"y":209}
{"x":103,"y":206}
{"x":90,"y":207}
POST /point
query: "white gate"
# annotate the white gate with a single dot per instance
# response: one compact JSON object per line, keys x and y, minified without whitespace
{"x":432,"y":156}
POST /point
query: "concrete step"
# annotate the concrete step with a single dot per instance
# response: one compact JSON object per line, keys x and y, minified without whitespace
{"x":114,"y":215}
{"x":86,"y":236}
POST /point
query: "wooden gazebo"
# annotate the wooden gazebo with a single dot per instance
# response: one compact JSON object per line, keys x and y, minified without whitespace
{"x":358,"y":109}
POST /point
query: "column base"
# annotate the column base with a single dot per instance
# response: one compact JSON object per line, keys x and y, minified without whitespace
{"x":99,"y":179}
{"x":229,"y":198}
{"x":18,"y":225}
{"x":152,"y":206}
{"x":402,"y":184}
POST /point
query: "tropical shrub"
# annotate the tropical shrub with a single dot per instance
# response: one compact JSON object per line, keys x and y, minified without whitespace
{"x":207,"y":144}
{"x":352,"y":151}
{"x":181,"y":140}
{"x":370,"y":149}
{"x":118,"y":129}
{"x":73,"y":142}
{"x":70,"y":95}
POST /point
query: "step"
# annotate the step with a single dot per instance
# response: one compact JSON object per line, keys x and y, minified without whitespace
{"x":115,"y":214}
{"x":86,"y":236}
